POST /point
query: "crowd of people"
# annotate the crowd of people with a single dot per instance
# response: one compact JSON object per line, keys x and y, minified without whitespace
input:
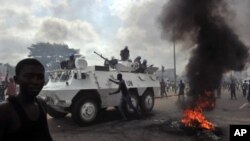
{"x":170,"y":87}
{"x":235,"y":88}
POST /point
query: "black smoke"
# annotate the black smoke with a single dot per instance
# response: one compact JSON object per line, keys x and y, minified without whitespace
{"x":217,"y":48}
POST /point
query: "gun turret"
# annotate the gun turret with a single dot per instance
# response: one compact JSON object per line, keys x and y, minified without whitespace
{"x":108,"y":62}
{"x":101,"y":56}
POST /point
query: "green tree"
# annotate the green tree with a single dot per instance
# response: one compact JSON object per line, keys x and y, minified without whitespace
{"x":51,"y":54}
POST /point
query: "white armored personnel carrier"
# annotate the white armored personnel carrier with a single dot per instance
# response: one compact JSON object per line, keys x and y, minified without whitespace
{"x":83,"y":91}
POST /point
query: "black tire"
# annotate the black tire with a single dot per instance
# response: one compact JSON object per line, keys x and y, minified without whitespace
{"x":55,"y":114}
{"x":147,"y":102}
{"x":84,"y":111}
{"x":135,"y":102}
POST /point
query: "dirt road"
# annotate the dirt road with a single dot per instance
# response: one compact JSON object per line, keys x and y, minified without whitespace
{"x":109,"y":127}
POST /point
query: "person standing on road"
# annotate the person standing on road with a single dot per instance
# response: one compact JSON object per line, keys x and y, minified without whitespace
{"x":163,"y":88}
{"x":125,"y":99}
{"x":181,"y":89}
{"x":248,"y":95}
{"x":244,"y":88}
{"x":233,"y":89}
{"x":23,"y":117}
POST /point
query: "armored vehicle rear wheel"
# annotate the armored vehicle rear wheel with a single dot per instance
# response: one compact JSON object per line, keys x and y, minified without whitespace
{"x":85,"y":111}
{"x":147,"y":102}
{"x":135,"y":101}
{"x":55,"y":114}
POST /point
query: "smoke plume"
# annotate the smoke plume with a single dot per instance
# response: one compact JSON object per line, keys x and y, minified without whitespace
{"x":217,"y":48}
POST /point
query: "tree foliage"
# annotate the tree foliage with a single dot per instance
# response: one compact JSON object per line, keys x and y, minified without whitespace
{"x":51,"y":55}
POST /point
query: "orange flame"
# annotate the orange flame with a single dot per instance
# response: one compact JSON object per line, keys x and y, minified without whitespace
{"x":194,"y":117}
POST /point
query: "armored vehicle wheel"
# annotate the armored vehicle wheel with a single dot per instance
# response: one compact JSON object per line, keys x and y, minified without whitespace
{"x":55,"y":114}
{"x":147,"y":102}
{"x":135,"y":101}
{"x":85,"y":111}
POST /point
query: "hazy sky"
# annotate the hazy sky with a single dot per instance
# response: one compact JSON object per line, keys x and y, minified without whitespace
{"x":105,"y":26}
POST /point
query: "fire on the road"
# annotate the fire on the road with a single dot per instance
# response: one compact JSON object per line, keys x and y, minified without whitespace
{"x":194,"y":117}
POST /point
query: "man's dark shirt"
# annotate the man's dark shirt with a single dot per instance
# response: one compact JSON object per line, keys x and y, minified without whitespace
{"x":123,"y":88}
{"x":182,"y":87}
{"x":29,"y":130}
{"x":232,"y":87}
{"x":244,"y":86}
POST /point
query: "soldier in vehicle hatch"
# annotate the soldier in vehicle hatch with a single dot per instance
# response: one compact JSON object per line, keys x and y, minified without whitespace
{"x":138,"y":62}
{"x":71,"y":62}
{"x":125,"y":99}
{"x":124,"y":54}
{"x":143,"y":66}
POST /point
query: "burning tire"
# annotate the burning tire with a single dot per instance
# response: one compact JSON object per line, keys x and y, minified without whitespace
{"x":85,"y":111}
{"x":55,"y":114}
{"x":147,"y":102}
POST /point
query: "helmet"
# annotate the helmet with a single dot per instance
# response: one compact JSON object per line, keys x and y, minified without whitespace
{"x":71,"y":56}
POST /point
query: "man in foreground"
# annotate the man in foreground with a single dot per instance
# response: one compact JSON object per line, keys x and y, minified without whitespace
{"x":22,"y":117}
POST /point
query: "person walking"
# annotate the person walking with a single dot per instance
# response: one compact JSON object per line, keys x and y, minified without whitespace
{"x":244,"y":88}
{"x":125,"y":98}
{"x":163,"y":88}
{"x":23,"y":117}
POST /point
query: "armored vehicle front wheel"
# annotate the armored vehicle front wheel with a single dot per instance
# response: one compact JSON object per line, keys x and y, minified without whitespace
{"x":147,"y":102}
{"x":84,"y":111}
{"x":55,"y":114}
{"x":134,"y":100}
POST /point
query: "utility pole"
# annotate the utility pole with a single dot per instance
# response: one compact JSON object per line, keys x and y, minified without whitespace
{"x":162,"y":72}
{"x":174,"y":63}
